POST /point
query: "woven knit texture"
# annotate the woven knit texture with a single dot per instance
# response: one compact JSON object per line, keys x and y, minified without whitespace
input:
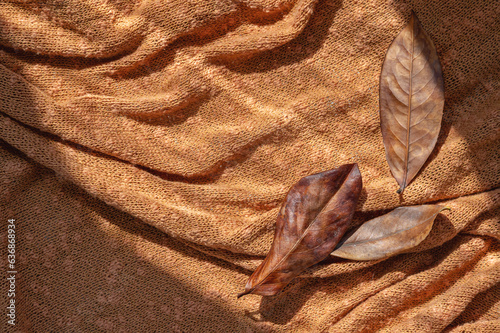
{"x":146,"y":147}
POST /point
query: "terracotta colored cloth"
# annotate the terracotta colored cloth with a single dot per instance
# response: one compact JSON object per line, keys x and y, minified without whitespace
{"x":146,"y":146}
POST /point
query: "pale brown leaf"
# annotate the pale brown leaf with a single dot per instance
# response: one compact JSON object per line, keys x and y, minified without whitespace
{"x":411,"y":101}
{"x":315,"y":215}
{"x":389,"y":234}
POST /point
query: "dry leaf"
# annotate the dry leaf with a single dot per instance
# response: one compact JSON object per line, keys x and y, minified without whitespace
{"x":411,"y":101}
{"x":390,"y":234}
{"x":315,"y":215}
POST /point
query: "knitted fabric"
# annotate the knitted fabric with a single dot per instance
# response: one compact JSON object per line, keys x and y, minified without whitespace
{"x":146,"y":147}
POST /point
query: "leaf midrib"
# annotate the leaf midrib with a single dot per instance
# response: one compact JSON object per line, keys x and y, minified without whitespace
{"x":408,"y":118}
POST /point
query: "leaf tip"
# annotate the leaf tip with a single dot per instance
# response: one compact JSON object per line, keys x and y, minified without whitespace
{"x":414,"y":16}
{"x":353,"y":167}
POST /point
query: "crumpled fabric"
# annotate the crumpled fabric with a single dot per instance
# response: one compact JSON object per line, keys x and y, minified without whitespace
{"x":146,"y":147}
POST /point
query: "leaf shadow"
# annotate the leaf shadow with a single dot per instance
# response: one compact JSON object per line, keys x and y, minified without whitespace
{"x":480,"y":219}
{"x":363,"y":196}
{"x":442,"y":231}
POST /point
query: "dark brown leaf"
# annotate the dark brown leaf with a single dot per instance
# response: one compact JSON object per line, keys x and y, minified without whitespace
{"x":411,"y":101}
{"x":390,"y":234}
{"x":315,"y":215}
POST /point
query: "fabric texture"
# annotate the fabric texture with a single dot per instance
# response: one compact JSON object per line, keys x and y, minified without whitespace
{"x":146,"y":147}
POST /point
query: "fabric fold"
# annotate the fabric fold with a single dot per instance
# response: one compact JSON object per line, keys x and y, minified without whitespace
{"x":147,"y":146}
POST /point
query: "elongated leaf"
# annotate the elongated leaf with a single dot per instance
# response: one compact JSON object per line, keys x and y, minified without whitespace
{"x":315,"y":215}
{"x":411,"y":101}
{"x":389,"y":234}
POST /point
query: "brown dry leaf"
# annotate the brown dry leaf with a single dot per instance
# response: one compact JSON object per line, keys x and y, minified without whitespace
{"x":411,"y":101}
{"x":390,"y":234}
{"x":315,"y":215}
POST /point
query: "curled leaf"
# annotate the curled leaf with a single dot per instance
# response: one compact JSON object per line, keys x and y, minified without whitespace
{"x":315,"y":215}
{"x":411,"y":101}
{"x":389,"y":234}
